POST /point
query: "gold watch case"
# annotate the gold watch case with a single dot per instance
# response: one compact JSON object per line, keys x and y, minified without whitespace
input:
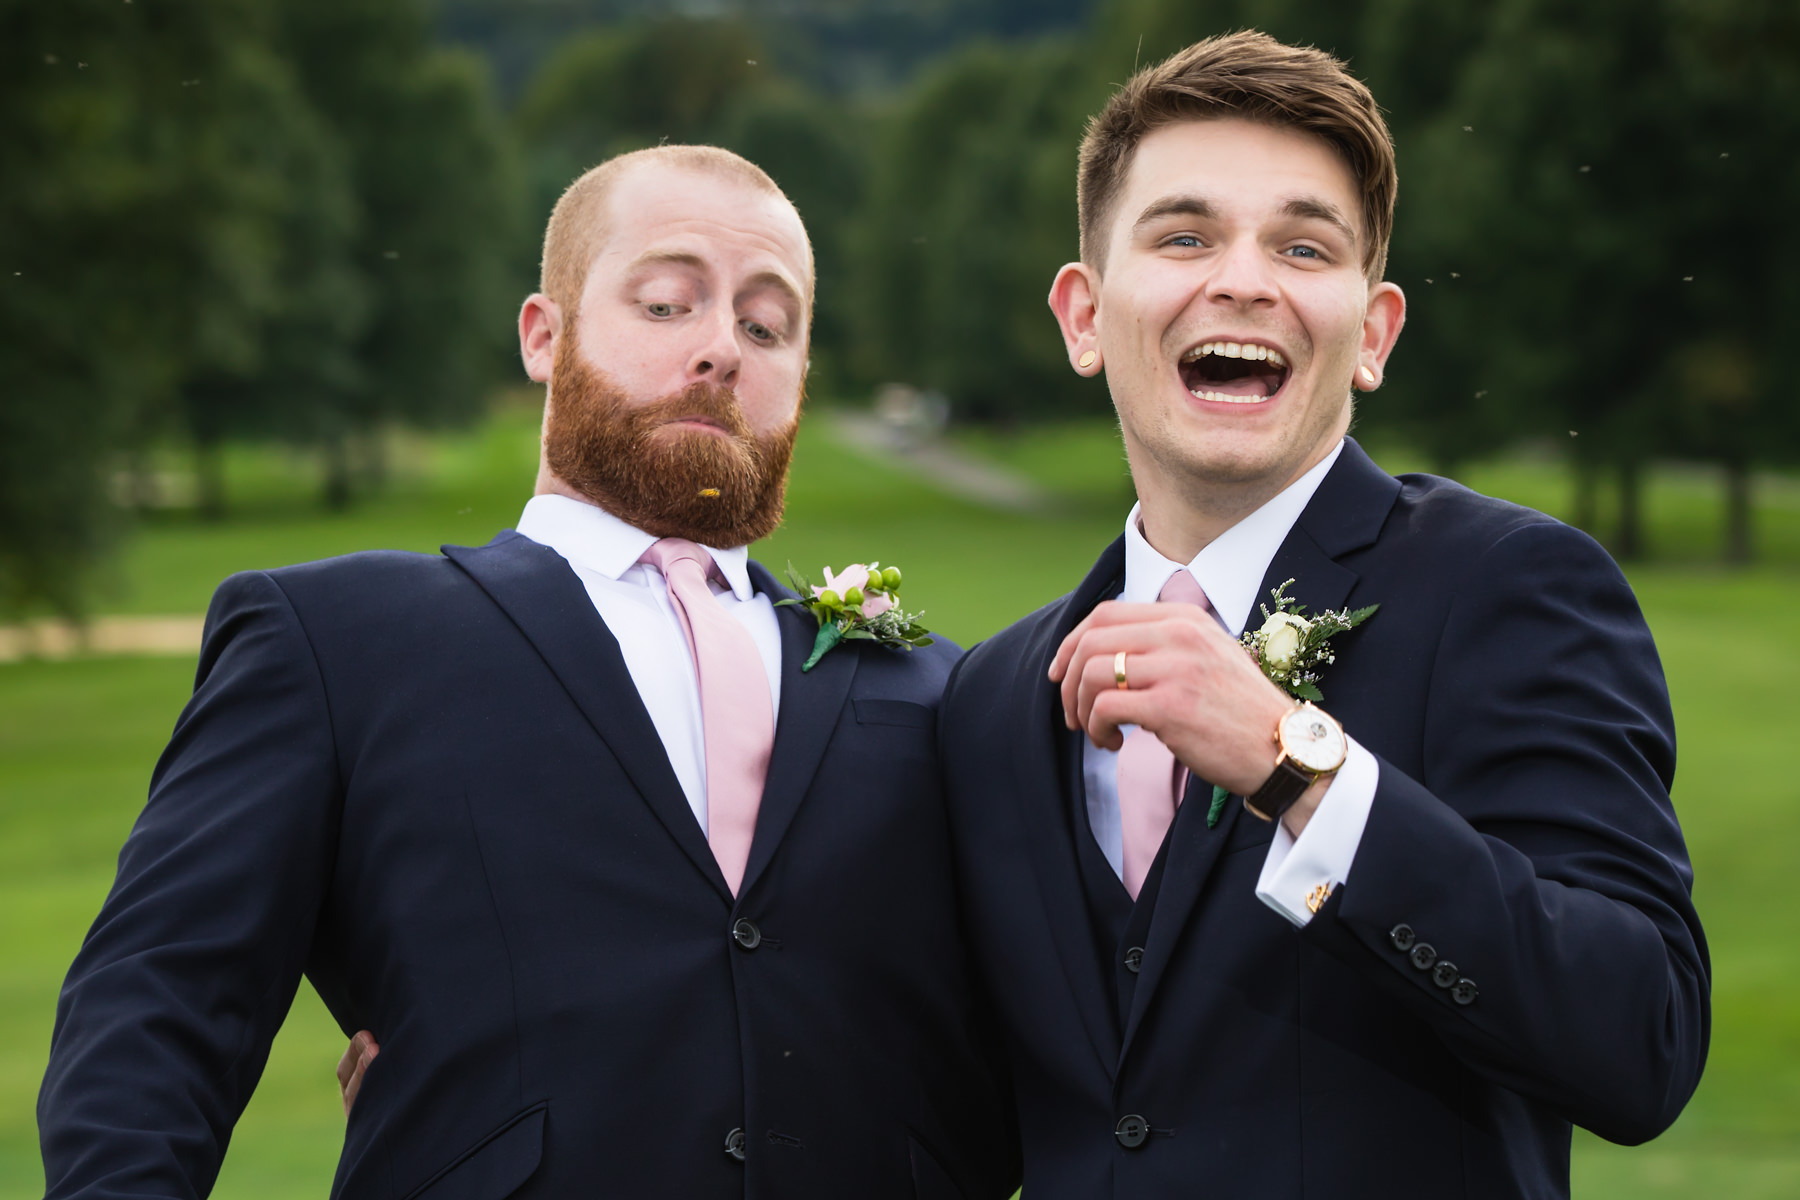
{"x":1311,"y":739}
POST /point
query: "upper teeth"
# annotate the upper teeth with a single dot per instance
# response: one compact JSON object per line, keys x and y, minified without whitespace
{"x":1236,"y":350}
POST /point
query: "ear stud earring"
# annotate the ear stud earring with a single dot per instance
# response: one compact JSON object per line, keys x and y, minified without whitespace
{"x":1087,"y":360}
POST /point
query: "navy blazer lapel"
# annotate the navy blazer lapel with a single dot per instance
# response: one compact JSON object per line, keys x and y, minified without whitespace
{"x":1044,"y":799}
{"x":811,"y":704}
{"x":1345,"y":514}
{"x":539,"y":591}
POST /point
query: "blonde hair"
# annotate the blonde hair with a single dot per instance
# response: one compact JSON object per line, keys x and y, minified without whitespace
{"x":577,"y":227}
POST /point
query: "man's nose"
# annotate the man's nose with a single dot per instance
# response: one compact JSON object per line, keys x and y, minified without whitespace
{"x":1243,"y":275}
{"x":717,"y":359}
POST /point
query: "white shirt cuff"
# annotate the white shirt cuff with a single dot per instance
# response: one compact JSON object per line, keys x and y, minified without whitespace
{"x":1295,"y":869}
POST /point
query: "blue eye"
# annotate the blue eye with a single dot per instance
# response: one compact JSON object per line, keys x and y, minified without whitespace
{"x":1185,"y":240}
{"x":660,"y":309}
{"x":1304,"y":251}
{"x":759,"y":331}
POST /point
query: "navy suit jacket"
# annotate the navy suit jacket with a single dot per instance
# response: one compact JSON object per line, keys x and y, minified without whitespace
{"x":429,"y":784}
{"x":1521,"y":832}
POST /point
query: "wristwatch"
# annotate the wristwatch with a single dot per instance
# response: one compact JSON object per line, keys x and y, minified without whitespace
{"x":1312,"y":746}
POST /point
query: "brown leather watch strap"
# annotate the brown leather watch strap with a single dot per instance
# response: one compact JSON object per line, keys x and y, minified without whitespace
{"x":1286,"y":784}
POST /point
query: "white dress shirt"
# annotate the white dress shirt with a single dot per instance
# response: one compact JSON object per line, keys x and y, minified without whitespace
{"x":1230,"y":570}
{"x":633,"y":599}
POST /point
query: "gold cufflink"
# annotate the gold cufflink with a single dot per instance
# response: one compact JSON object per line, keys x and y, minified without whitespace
{"x":1315,"y":899}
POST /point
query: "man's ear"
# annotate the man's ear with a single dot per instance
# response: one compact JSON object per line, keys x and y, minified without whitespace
{"x":1075,"y":299}
{"x":1381,"y":329}
{"x":540,"y":324}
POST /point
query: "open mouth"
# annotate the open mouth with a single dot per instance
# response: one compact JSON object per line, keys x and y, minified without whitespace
{"x":1233,"y":372}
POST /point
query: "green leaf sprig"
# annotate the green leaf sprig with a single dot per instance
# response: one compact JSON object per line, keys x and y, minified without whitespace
{"x":865,"y":611}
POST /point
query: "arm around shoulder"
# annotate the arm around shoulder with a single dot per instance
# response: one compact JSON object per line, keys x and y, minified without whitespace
{"x":165,"y":1020}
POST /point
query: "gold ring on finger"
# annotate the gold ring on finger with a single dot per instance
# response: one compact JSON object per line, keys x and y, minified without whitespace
{"x":1119,"y":671}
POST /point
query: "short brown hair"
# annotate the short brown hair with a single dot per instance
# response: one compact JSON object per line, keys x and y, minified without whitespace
{"x":577,"y":225}
{"x":1253,"y":77}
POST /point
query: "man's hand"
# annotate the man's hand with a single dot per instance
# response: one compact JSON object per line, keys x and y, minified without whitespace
{"x":355,"y":1063}
{"x":1190,"y":684}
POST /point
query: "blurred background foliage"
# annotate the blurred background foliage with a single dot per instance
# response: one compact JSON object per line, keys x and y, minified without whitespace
{"x":308,"y":221}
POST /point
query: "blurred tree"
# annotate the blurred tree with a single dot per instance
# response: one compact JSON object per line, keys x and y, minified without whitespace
{"x":138,"y":244}
{"x":1583,"y":172}
{"x":436,"y":215}
{"x":972,"y":208}
{"x":1726,"y":397}
{"x":639,"y":84}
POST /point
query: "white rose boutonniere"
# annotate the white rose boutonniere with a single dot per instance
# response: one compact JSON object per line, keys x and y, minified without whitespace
{"x":1292,"y":647}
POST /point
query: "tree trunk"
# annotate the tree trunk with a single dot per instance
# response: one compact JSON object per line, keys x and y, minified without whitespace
{"x":1631,"y":510}
{"x":374,"y":458}
{"x":1587,"y":495}
{"x":1739,"y":544}
{"x":209,"y":477}
{"x":337,"y":473}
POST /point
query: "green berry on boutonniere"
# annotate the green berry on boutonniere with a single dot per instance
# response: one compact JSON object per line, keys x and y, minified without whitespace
{"x":1292,"y":648}
{"x":859,"y":603}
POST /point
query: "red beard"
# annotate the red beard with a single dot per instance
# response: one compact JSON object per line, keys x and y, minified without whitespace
{"x":717,"y":490}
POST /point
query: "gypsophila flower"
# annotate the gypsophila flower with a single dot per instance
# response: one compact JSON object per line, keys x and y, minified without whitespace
{"x":1292,"y":647}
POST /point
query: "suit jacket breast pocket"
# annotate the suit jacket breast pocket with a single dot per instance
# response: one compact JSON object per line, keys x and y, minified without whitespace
{"x":903,"y":713}
{"x":493,"y":1168}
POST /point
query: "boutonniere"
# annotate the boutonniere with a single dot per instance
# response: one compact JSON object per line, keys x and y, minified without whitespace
{"x":859,"y":603}
{"x":1291,"y":648}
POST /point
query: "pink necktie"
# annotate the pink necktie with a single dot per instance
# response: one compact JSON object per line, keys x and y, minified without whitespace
{"x":1150,"y":778}
{"x":736,"y":717}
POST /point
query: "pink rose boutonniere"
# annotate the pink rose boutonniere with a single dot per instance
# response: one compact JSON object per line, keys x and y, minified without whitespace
{"x":859,"y":603}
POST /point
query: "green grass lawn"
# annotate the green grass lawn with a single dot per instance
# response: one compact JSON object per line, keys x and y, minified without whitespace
{"x":78,"y":739}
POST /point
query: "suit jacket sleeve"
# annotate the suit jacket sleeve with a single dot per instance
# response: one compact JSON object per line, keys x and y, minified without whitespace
{"x":165,"y":1021}
{"x":1539,"y":853}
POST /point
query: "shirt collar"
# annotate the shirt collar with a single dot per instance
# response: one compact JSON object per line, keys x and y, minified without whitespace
{"x":1231,"y":567}
{"x":593,"y":539}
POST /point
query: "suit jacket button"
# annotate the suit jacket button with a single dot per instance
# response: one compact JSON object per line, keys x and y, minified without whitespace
{"x":1134,"y":959}
{"x":1402,"y":937}
{"x":1465,"y":991}
{"x":746,"y":934}
{"x":1131,"y":1131}
{"x":1444,"y":974}
{"x":734,"y":1144}
{"x":1423,"y":955}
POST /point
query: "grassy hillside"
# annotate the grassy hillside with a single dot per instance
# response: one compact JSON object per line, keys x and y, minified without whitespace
{"x":78,"y":739}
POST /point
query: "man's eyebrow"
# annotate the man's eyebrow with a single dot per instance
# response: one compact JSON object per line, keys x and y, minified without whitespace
{"x":666,"y":258}
{"x":1176,"y":206}
{"x":1313,"y":208}
{"x":773,"y":280}
{"x":776,"y":281}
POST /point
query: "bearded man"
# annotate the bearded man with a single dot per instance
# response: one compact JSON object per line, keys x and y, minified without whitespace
{"x":631,"y":905}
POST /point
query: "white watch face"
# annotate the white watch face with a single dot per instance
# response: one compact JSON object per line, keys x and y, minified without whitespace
{"x":1313,"y":740}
